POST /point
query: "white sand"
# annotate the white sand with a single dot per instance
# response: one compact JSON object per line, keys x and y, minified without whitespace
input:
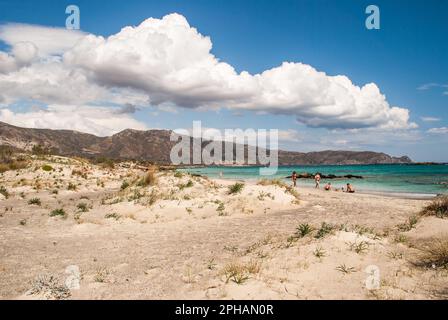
{"x":175,"y":241}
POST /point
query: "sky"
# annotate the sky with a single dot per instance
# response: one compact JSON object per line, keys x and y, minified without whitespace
{"x":310,"y":69}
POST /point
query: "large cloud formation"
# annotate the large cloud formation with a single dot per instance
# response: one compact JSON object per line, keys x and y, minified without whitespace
{"x":166,"y":61}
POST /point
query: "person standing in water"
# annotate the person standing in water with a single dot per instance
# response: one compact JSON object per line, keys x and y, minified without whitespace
{"x":317,"y":180}
{"x":294,"y":178}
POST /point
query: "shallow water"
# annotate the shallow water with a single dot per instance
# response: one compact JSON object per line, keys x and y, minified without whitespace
{"x":412,"y":180}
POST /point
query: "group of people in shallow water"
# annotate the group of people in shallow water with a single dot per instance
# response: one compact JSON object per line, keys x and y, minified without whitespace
{"x":328,"y":186}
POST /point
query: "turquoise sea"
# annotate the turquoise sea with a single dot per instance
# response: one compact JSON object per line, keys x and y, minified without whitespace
{"x":395,"y":180}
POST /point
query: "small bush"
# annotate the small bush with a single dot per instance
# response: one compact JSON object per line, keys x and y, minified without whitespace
{"x":438,"y":207}
{"x":178,"y":174}
{"x":150,"y":178}
{"x":57,"y":212}
{"x":304,"y":229}
{"x":35,"y":201}
{"x":71,"y":186}
{"x":235,"y":273}
{"x":271,"y":182}
{"x":324,"y":230}
{"x":82,"y":207}
{"x":4,"y":192}
{"x":124,"y":185}
{"x":236,"y":188}
{"x":113,"y":215}
{"x":47,"y":167}
{"x":435,"y":255}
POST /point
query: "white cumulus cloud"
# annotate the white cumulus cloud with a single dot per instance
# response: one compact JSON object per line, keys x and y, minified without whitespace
{"x":100,"y":121}
{"x":168,"y":62}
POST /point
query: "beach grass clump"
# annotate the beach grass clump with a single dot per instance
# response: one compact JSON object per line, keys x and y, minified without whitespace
{"x":82,"y":207}
{"x":359,"y":247}
{"x":50,"y":287}
{"x":303,"y":230}
{"x":271,"y":182}
{"x":34,"y":201}
{"x":150,"y":178}
{"x":112,"y":215}
{"x":345,"y":269}
{"x":236,"y":273}
{"x":71,"y":186}
{"x":435,"y":255}
{"x":4,"y":192}
{"x":189,"y":184}
{"x":236,"y":188}
{"x":57,"y":212}
{"x":319,"y":252}
{"x":47,"y":167}
{"x":124,"y":185}
{"x":178,"y":174}
{"x":438,"y":207}
{"x":221,"y":209}
{"x":409,"y":224}
{"x":324,"y":230}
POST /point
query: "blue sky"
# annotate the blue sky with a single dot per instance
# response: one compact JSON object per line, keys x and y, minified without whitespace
{"x":407,"y":53}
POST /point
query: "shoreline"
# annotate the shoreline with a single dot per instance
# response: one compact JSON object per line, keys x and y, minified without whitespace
{"x":388,"y":194}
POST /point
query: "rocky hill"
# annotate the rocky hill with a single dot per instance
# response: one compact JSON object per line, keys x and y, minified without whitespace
{"x":155,"y":146}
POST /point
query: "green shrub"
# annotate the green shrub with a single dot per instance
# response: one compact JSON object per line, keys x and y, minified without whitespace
{"x":57,"y":212}
{"x":35,"y":201}
{"x":4,"y":192}
{"x":324,"y":230}
{"x":82,"y":207}
{"x":47,"y":167}
{"x":304,"y":229}
{"x":236,"y":188}
{"x":438,"y":207}
{"x":124,"y":185}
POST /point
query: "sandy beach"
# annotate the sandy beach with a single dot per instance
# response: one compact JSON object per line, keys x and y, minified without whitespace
{"x":170,"y":235}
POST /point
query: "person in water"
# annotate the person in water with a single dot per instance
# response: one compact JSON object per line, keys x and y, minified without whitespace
{"x":328,"y":186}
{"x":350,"y":188}
{"x":294,"y":178}
{"x":317,"y":180}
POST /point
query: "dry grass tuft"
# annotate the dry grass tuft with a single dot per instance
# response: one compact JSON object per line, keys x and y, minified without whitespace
{"x":435,"y":254}
{"x":438,"y":207}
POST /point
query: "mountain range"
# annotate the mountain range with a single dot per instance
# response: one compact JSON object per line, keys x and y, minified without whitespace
{"x":155,"y":146}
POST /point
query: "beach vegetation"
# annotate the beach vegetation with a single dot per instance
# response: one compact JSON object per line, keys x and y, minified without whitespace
{"x":178,"y":174}
{"x":409,"y":224}
{"x":47,"y":167}
{"x":150,"y":178}
{"x":324,"y":230}
{"x":57,"y":212}
{"x":34,"y":201}
{"x":303,"y":230}
{"x":71,"y":186}
{"x":319,"y":252}
{"x":112,"y":215}
{"x":82,"y":207}
{"x":50,"y":287}
{"x":438,"y":207}
{"x":359,"y":247}
{"x":236,"y":273}
{"x":345,"y":269}
{"x":236,"y":188}
{"x":124,"y":185}
{"x":4,"y":192}
{"x":434,"y":254}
